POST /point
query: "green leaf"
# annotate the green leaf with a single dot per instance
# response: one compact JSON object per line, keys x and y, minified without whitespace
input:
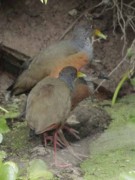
{"x":38,"y":169}
{"x":3,"y":126}
{"x":44,"y":1}
{"x":120,"y":84}
{"x":8,"y":171}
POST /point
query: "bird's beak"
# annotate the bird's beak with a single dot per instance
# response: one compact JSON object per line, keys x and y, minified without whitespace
{"x":81,"y":75}
{"x":99,"y":34}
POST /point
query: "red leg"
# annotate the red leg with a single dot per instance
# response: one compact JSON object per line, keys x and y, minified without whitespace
{"x":58,"y":139}
{"x":47,"y":138}
{"x":55,"y":148}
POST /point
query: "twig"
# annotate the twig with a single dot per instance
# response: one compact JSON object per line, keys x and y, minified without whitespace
{"x":124,"y":16}
{"x":3,"y":109}
{"x":121,"y":62}
{"x":118,"y":65}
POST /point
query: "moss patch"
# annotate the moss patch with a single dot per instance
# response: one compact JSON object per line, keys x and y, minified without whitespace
{"x":113,"y":153}
{"x":16,"y":141}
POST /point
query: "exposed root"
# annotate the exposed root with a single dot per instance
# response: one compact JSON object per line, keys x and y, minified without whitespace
{"x":123,"y":16}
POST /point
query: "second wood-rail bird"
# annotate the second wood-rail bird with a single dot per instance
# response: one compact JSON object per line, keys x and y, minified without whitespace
{"x":49,"y":104}
{"x":75,"y":52}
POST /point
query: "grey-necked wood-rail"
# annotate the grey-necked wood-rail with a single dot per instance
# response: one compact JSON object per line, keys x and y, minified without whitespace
{"x":49,"y":104}
{"x":75,"y":52}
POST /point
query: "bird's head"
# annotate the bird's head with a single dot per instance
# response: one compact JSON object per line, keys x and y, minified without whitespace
{"x":84,"y":36}
{"x":69,"y":74}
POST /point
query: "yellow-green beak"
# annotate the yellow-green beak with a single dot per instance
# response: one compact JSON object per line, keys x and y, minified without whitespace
{"x":80,"y":74}
{"x":99,"y":34}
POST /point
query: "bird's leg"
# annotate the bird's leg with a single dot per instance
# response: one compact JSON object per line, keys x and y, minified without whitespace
{"x":48,"y":134}
{"x":68,"y":145}
{"x":47,"y":138}
{"x":71,"y":131}
{"x":55,"y":148}
{"x":51,"y":140}
{"x":77,"y":155}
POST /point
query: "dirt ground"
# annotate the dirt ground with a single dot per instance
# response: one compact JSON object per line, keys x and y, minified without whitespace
{"x":29,"y":26}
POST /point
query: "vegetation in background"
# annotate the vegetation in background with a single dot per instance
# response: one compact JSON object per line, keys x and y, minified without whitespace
{"x":130,"y":74}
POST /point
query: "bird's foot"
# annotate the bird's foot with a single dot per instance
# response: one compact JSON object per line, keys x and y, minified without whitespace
{"x":72,"y":131}
{"x":61,"y":165}
{"x":76,"y":155}
{"x":66,"y":143}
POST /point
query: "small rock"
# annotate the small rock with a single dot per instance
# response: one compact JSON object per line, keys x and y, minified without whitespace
{"x":72,"y":120}
{"x":87,"y":119}
{"x":73,"y":12}
{"x":39,"y":151}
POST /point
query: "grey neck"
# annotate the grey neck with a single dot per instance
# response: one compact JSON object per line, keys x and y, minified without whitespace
{"x":84,"y":45}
